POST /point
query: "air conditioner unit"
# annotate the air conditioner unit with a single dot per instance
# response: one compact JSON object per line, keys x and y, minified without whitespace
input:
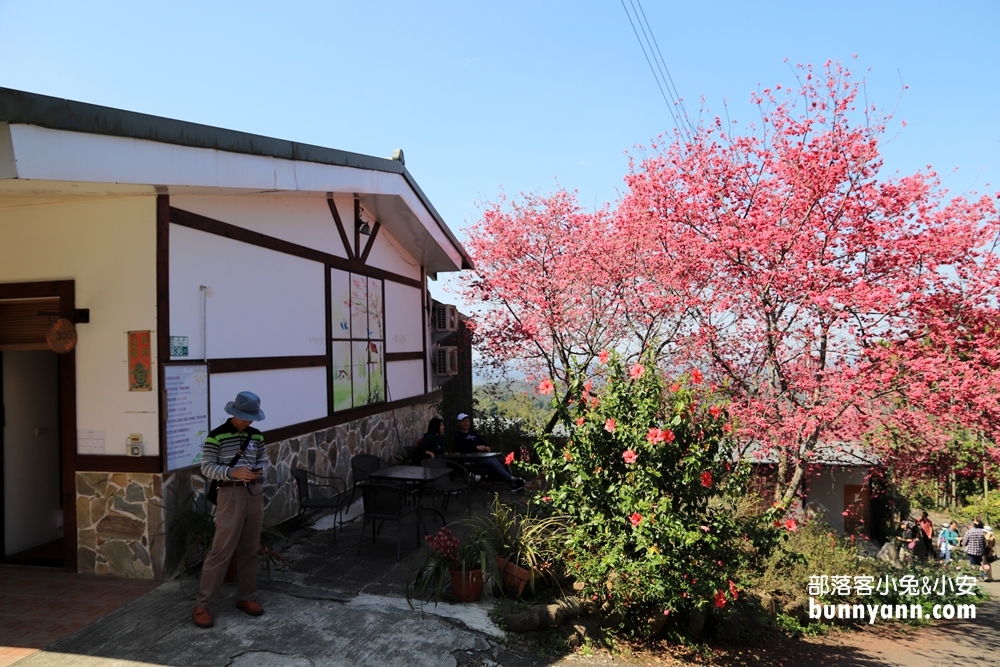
{"x":445,"y":318}
{"x":446,"y":360}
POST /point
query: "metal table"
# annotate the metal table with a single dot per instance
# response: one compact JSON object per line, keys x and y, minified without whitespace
{"x":413,"y":476}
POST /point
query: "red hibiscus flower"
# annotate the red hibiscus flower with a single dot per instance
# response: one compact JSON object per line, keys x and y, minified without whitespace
{"x":636,"y":371}
{"x":545,"y":387}
{"x":603,"y":357}
{"x":675,"y":387}
{"x":636,"y":518}
{"x":720,"y":599}
{"x":610,"y":424}
{"x":654,"y":436}
{"x":732,"y":590}
{"x":668,"y":435}
{"x":630,"y":456}
{"x":509,"y":459}
{"x":715,"y":411}
{"x":696,"y":376}
{"x":791,"y":524}
{"x":706,"y":478}
{"x":580,"y":421}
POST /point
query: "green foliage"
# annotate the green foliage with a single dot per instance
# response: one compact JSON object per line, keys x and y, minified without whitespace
{"x":648,"y":482}
{"x":988,"y":509}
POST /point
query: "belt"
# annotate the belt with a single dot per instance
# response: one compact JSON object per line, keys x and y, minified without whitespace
{"x":253,"y":483}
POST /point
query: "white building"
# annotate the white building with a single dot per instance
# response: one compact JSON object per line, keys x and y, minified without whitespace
{"x":195,"y":262}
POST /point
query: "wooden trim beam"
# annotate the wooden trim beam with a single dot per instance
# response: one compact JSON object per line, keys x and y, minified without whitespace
{"x":404,"y":356}
{"x":340,"y":227}
{"x":244,"y":364}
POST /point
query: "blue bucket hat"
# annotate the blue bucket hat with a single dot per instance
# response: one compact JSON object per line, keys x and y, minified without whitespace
{"x":246,"y":406}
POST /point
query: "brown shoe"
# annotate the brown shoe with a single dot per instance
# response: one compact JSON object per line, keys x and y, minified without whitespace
{"x":251,"y":607}
{"x":202,"y":617}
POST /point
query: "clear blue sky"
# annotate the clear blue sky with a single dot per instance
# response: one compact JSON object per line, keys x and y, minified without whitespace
{"x":518,"y":96}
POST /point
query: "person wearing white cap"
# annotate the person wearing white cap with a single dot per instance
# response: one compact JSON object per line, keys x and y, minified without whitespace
{"x":947,"y":540}
{"x":234,"y":456}
{"x":467,"y":441}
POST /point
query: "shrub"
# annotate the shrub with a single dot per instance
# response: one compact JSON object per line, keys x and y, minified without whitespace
{"x":648,"y":483}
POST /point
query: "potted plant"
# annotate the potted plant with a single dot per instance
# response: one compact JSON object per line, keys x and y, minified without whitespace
{"x":523,"y":545}
{"x":449,"y":559}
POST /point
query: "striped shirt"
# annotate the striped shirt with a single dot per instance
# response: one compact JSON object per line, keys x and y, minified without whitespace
{"x":974,"y":541}
{"x":221,"y":446}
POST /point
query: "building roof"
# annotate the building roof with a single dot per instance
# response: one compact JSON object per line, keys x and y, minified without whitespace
{"x":837,"y":453}
{"x":53,"y":142}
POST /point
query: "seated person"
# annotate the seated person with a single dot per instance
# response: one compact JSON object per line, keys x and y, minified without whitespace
{"x":468,"y":441}
{"x":431,"y":445}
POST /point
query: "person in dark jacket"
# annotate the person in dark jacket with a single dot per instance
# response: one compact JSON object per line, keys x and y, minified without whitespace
{"x":431,"y":445}
{"x":468,"y":441}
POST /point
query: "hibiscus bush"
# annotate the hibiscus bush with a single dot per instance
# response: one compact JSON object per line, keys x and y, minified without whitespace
{"x":650,"y":484}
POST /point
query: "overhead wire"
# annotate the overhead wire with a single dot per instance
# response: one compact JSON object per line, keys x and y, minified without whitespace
{"x":654,"y":58}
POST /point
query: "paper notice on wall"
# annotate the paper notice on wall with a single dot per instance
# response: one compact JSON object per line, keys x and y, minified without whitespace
{"x":187,"y":413}
{"x":89,"y":441}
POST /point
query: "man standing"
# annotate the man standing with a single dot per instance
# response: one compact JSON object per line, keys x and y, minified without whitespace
{"x":468,"y":441}
{"x":234,"y":454}
{"x":974,"y":542}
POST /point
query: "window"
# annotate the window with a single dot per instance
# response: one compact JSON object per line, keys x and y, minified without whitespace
{"x":358,"y":340}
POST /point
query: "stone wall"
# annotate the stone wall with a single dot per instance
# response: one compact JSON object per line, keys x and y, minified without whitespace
{"x":118,"y":516}
{"x":327,"y":452}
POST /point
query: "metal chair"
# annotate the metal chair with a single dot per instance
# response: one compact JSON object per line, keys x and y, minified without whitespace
{"x":385,"y":502}
{"x":460,"y":480}
{"x":321,"y":492}
{"x":362,"y":466}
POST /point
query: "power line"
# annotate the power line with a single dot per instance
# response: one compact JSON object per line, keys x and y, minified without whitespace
{"x":654,"y":58}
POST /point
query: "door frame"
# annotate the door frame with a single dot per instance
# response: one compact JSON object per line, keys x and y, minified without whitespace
{"x":65,"y":290}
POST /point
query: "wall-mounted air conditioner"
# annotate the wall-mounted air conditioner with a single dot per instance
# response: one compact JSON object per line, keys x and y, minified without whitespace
{"x":446,"y":360}
{"x":445,"y":318}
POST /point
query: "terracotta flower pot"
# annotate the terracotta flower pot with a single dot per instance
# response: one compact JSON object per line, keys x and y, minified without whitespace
{"x":468,"y":585}
{"x":515,"y":578}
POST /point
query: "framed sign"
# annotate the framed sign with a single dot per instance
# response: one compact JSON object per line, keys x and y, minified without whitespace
{"x":186,"y":387}
{"x":139,"y":359}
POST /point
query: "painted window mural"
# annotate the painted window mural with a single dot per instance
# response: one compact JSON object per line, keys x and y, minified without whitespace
{"x":359,"y":340}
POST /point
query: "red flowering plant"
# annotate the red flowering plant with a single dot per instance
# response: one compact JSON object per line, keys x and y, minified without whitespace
{"x":649,"y":482}
{"x":446,"y":552}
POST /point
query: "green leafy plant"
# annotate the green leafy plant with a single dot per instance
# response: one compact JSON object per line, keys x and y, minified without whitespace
{"x":648,"y":482}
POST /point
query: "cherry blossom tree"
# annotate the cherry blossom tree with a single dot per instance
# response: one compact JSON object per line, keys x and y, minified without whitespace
{"x":557,"y":287}
{"x":832,"y":303}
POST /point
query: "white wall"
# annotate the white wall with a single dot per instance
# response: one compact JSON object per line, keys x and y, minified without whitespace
{"x":287,"y":396}
{"x":827,"y":488}
{"x":108,"y":247}
{"x":388,"y":253}
{"x":31,"y":450}
{"x":405,"y":379}
{"x":404,"y":325}
{"x":261,"y":303}
{"x":306,"y":221}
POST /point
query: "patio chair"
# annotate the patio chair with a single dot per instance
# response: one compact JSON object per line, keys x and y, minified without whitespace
{"x":362,"y":466}
{"x":321,"y":492}
{"x":386,"y":502}
{"x":460,"y":480}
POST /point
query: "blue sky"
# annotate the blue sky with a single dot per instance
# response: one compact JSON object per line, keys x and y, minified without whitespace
{"x":513,"y":96}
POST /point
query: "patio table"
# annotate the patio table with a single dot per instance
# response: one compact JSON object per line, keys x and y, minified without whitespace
{"x":413,"y":476}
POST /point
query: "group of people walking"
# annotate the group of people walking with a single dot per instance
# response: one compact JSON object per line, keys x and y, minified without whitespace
{"x":978,"y":542}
